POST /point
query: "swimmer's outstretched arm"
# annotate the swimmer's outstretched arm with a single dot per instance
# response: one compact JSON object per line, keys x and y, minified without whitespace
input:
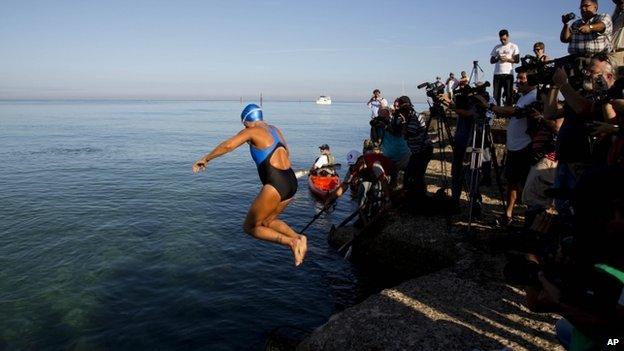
{"x":227,"y":146}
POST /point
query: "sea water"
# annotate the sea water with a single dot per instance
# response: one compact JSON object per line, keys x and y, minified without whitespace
{"x":109,"y":241}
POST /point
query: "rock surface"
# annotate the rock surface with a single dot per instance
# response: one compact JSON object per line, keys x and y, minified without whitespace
{"x":465,"y":307}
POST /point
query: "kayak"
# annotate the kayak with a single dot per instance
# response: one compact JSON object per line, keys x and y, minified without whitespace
{"x":322,"y":186}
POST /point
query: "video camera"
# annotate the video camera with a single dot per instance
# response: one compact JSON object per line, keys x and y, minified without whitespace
{"x":465,"y":96}
{"x":533,"y":113}
{"x":433,"y":89}
{"x":540,"y":73}
{"x":529,"y":110}
{"x":603,"y":95}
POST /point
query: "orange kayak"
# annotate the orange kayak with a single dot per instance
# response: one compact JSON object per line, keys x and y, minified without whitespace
{"x":322,"y":186}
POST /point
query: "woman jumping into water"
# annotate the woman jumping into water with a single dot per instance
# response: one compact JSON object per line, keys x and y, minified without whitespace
{"x":269,"y":152}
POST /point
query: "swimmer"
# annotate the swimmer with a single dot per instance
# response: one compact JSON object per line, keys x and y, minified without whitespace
{"x":270,"y":153}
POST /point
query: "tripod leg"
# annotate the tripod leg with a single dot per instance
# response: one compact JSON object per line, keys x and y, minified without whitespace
{"x":497,"y":170}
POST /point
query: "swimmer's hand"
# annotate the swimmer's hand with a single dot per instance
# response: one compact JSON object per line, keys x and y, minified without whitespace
{"x":200,"y":165}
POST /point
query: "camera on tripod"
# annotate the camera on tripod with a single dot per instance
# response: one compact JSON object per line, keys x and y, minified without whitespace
{"x":433,"y":89}
{"x":540,"y":73}
{"x":465,"y":97}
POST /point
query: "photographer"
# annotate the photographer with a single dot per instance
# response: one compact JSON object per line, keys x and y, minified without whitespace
{"x":376,"y":102}
{"x":503,"y":56}
{"x":591,"y":34}
{"x":420,"y":147}
{"x":469,"y":106}
{"x":390,"y":130}
{"x":518,"y":143}
{"x":575,"y":151}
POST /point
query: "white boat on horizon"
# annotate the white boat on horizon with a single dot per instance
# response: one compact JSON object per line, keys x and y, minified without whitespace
{"x":324,"y":100}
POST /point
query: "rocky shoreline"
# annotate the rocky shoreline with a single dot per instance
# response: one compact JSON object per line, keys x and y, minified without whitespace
{"x":453,"y":296}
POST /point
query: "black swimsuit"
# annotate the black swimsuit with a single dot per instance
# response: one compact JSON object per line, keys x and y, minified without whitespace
{"x":283,"y":180}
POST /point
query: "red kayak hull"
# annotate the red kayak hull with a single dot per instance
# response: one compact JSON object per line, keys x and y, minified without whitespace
{"x":321,"y":186}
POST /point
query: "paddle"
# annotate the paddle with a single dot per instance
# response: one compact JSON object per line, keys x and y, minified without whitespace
{"x":346,"y":248}
{"x":304,"y":172}
{"x":351,"y":216}
{"x":325,"y":208}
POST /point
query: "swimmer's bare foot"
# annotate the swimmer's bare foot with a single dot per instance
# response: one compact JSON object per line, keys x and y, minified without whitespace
{"x":299,"y":249}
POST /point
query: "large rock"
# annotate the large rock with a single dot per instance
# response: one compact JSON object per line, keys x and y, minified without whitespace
{"x":405,"y":246}
{"x":462,"y":308}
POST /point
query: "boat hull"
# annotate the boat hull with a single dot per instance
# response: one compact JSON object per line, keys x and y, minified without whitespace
{"x":322,"y":186}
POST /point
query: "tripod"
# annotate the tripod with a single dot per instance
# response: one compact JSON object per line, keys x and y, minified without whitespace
{"x":481,"y":138}
{"x":443,"y":130}
{"x":475,"y":73}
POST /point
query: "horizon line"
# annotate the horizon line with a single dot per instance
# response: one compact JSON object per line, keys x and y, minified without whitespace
{"x":173,"y":100}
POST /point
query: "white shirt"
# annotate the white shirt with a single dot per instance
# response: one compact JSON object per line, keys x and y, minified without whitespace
{"x":321,"y":161}
{"x":517,"y":138}
{"x":504,"y":51}
{"x":375,"y":105}
{"x":452,"y":84}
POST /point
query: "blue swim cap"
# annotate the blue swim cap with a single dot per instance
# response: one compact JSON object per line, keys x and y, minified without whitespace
{"x":251,"y":113}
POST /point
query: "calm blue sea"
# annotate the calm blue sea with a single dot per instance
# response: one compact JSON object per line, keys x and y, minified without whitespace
{"x":109,"y":241}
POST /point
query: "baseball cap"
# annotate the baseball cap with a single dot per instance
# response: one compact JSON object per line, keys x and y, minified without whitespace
{"x":324,"y":147}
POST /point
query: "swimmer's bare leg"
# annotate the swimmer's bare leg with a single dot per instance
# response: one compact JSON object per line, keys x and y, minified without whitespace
{"x":266,"y":204}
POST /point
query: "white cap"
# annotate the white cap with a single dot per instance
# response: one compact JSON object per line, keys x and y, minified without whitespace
{"x":353,"y":156}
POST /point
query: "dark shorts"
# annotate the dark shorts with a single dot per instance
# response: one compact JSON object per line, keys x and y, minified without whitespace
{"x":518,"y":165}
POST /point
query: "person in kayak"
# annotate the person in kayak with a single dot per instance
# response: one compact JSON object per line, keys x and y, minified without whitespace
{"x":270,"y":153}
{"x":325,"y":161}
{"x":368,"y":169}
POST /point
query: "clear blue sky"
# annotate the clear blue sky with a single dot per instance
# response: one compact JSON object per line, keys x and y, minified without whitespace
{"x":285,"y":49}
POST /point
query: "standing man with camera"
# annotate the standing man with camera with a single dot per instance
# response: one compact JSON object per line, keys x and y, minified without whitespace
{"x":518,"y":142}
{"x":470,"y":105}
{"x":376,"y":102}
{"x":503,"y":57}
{"x":589,"y":35}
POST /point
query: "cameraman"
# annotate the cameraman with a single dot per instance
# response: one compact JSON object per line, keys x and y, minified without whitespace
{"x":503,"y":56}
{"x":591,"y":34}
{"x":518,"y":142}
{"x":467,"y":109}
{"x":575,"y":151}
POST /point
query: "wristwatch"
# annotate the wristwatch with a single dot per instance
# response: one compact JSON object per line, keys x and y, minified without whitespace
{"x":591,"y":27}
